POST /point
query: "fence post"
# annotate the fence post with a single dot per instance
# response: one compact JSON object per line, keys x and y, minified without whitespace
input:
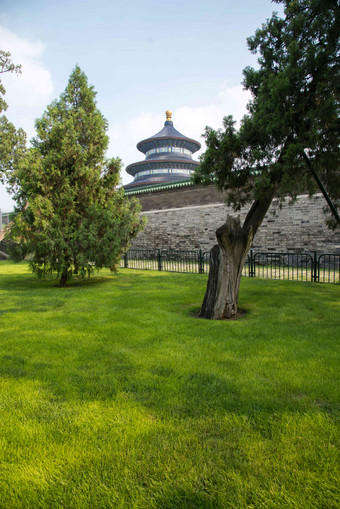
{"x":251,"y":264}
{"x":315,"y":268}
{"x":159,"y":257}
{"x":200,"y":262}
{"x":126,"y":263}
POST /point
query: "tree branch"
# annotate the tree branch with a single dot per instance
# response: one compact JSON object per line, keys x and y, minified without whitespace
{"x":323,"y":190}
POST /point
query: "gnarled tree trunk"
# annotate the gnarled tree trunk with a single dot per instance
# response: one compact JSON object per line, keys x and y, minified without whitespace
{"x":63,"y":278}
{"x":227,"y":260}
{"x":66,"y":272}
{"x":4,"y":255}
{"x":226,"y":264}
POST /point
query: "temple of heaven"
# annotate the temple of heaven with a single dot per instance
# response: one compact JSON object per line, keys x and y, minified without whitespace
{"x":168,"y":158}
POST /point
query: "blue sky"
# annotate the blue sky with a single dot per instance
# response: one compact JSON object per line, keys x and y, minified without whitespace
{"x":142,"y":57}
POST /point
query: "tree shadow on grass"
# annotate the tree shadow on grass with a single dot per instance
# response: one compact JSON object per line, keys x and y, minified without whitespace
{"x":186,"y":396}
{"x":27,"y":282}
{"x":187,"y":499}
{"x":99,"y":375}
{"x":13,"y":366}
{"x":99,"y":370}
{"x":167,"y":392}
{"x":9,"y":310}
{"x":241,"y":313}
{"x":85,"y":381}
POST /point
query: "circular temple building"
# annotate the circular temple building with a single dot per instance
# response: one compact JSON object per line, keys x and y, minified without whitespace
{"x":168,"y":158}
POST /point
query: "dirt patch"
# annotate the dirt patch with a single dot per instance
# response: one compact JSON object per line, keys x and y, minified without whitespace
{"x":241,"y":313}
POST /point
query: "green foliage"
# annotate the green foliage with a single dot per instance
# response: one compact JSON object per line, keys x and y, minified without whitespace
{"x":6,"y":65}
{"x":294,"y":109}
{"x":71,"y":216}
{"x":12,"y":140}
{"x":117,"y":396}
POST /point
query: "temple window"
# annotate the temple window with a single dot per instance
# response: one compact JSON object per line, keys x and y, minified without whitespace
{"x":158,"y":150}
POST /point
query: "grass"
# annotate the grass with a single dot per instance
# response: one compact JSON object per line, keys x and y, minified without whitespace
{"x":114,"y":395}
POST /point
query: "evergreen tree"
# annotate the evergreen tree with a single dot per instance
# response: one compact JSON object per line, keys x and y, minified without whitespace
{"x":12,"y":140}
{"x":290,"y":134}
{"x":71,"y":216}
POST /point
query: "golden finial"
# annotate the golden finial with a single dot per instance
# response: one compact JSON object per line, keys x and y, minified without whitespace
{"x":168,"y":114}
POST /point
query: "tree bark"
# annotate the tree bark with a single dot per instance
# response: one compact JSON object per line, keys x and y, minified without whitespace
{"x":76,"y":267}
{"x":65,"y":275}
{"x":321,"y":187}
{"x":226,"y":264}
{"x":64,"y":278}
{"x":4,"y":255}
{"x":228,"y":256}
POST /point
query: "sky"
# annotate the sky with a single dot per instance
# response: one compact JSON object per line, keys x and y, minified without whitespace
{"x":142,"y":57}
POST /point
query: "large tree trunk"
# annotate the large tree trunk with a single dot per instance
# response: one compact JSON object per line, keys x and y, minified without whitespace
{"x":228,"y":256}
{"x":4,"y":255}
{"x":65,"y":275}
{"x":226,"y":264}
{"x":64,"y":278}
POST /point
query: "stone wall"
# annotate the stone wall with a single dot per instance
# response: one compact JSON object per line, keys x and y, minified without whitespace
{"x":187,"y":218}
{"x":180,"y":197}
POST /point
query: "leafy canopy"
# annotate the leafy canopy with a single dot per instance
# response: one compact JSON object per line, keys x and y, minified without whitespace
{"x":293,"y":113}
{"x":72,"y":218}
{"x":12,"y":141}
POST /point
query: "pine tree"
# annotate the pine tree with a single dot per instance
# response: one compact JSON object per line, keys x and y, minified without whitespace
{"x":12,"y":140}
{"x":72,"y":218}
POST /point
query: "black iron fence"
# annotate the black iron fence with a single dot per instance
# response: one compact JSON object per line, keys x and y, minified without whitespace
{"x":323,"y":268}
{"x":169,"y":260}
{"x":318,"y":268}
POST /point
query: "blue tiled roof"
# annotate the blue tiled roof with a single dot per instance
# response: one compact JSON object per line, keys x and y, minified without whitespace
{"x":170,"y":133}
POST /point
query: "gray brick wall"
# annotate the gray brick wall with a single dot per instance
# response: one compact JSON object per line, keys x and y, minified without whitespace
{"x":187,"y":219}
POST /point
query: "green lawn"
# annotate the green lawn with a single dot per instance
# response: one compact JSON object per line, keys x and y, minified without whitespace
{"x":114,"y":395}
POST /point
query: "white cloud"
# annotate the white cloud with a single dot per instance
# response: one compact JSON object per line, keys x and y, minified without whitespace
{"x":28,"y":93}
{"x":190,"y":121}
